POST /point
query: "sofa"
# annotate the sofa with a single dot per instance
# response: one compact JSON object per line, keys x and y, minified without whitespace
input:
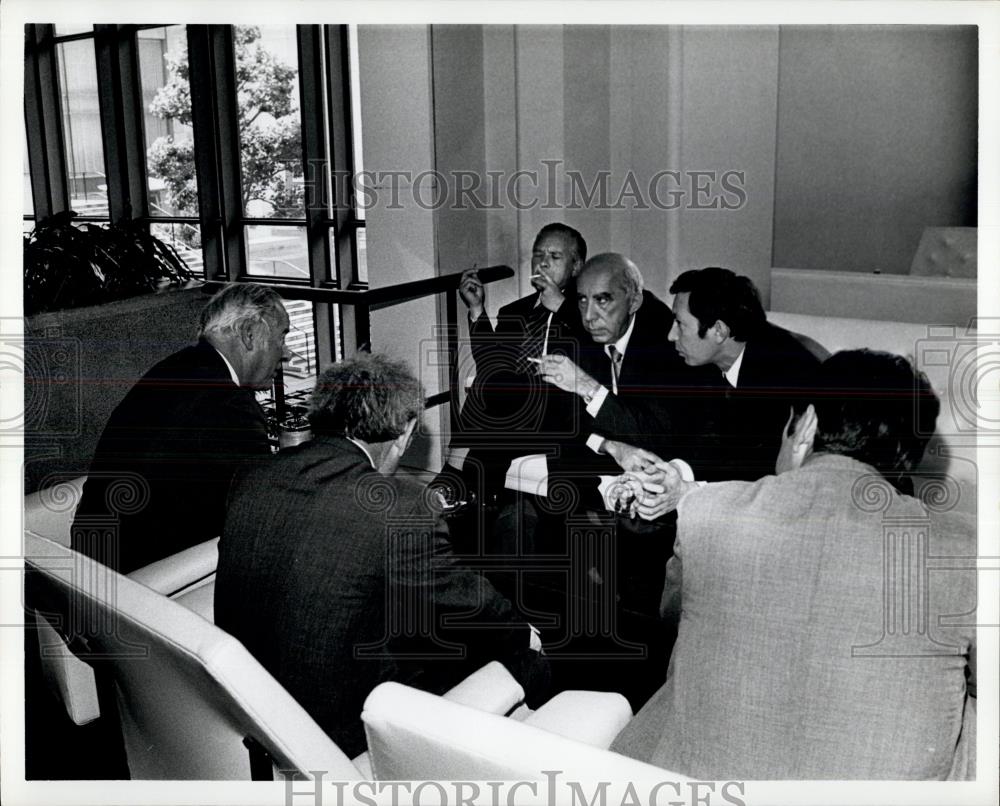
{"x":950,"y":356}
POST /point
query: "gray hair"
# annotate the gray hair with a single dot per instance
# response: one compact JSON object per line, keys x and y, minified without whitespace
{"x":625,"y":268}
{"x":236,"y":303}
{"x":369,"y":397}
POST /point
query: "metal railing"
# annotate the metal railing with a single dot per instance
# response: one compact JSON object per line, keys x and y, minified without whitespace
{"x":361,"y":302}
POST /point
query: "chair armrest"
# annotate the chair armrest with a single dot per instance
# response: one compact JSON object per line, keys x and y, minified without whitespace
{"x":591,"y":717}
{"x":173,"y":573}
{"x":492,"y":689}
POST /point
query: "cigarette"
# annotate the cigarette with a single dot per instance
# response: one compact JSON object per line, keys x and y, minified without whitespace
{"x":535,"y":360}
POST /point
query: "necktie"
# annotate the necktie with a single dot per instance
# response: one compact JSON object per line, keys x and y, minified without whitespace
{"x":535,"y":329}
{"x":616,"y":366}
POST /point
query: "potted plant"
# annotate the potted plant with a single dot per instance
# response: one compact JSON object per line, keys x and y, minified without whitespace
{"x":69,"y":265}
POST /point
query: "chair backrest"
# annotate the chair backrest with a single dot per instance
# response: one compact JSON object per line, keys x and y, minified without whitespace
{"x":414,"y":735}
{"x":946,"y":252}
{"x":49,"y":511}
{"x":188,"y":577}
{"x":189,"y":694}
{"x":948,"y":355}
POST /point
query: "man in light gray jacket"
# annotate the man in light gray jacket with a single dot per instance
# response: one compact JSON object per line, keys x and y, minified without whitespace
{"x":826,"y":619}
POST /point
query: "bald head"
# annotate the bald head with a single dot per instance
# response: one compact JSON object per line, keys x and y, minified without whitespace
{"x":609,"y":292}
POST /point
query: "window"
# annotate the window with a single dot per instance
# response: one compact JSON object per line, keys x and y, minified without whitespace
{"x":171,"y":173}
{"x":81,"y":123}
{"x":220,"y":175}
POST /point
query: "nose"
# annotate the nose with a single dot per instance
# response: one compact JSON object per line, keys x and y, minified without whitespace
{"x":590,"y":313}
{"x":673,"y":334}
{"x":286,"y":353}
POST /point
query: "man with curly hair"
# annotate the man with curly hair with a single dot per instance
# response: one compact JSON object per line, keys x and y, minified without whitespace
{"x":338,"y":575}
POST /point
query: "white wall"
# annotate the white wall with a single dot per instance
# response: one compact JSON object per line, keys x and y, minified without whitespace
{"x":847,"y":142}
{"x":876,"y":140}
{"x":397,"y":120}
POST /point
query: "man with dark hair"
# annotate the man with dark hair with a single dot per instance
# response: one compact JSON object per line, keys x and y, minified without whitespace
{"x":163,"y":465}
{"x":813,"y":642}
{"x":760,"y":371}
{"x":337,"y":575}
{"x":509,"y":411}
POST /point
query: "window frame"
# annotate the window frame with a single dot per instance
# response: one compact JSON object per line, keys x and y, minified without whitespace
{"x":331,"y":220}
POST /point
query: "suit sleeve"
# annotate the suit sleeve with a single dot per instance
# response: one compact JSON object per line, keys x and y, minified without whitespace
{"x":481,"y":338}
{"x":459,"y":610}
{"x":637,"y":419}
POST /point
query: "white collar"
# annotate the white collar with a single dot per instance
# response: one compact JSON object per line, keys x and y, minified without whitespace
{"x":364,"y":449}
{"x":733,"y":373}
{"x":232,"y":372}
{"x":622,"y":344}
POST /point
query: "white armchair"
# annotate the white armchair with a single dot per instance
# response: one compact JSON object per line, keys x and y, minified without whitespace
{"x":188,"y":577}
{"x":416,"y":735}
{"x":194,"y":704}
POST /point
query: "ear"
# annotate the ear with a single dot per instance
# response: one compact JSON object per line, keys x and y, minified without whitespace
{"x":797,"y":445}
{"x":721,"y":330}
{"x":405,"y":437}
{"x":635,"y":303}
{"x":247,"y":331}
{"x":804,"y":435}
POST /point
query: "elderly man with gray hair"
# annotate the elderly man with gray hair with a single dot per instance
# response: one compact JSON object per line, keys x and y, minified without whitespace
{"x":338,"y":575}
{"x":163,"y":465}
{"x":629,"y":382}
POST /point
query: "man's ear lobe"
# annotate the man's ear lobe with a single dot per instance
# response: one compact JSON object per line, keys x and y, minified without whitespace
{"x":721,"y":330}
{"x":247,"y":333}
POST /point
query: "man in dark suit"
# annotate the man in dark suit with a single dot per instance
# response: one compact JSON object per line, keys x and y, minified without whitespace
{"x":631,"y":383}
{"x":757,"y":373}
{"x":762,"y":370}
{"x":635,"y":387}
{"x":509,"y":411}
{"x":338,"y":576}
{"x":162,"y":468}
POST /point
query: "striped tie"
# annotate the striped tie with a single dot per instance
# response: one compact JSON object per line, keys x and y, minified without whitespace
{"x":616,"y":366}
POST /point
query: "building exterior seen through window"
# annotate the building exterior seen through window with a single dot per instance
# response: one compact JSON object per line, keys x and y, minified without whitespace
{"x":268,"y":160}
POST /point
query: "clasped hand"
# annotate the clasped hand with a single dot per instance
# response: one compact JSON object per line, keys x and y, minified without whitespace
{"x":650,"y":490}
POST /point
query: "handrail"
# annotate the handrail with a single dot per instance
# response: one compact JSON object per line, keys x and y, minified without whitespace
{"x":365,"y":300}
{"x":374,"y":298}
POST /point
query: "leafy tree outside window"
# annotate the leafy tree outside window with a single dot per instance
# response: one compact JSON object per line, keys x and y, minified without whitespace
{"x":269,"y":126}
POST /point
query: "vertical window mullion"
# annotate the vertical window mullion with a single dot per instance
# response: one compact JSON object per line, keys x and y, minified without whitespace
{"x":46,"y":148}
{"x":121,"y":132}
{"x":315,"y":170}
{"x":342,"y":162}
{"x":354,"y":319}
{"x":206,"y":148}
{"x":227,"y":119}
